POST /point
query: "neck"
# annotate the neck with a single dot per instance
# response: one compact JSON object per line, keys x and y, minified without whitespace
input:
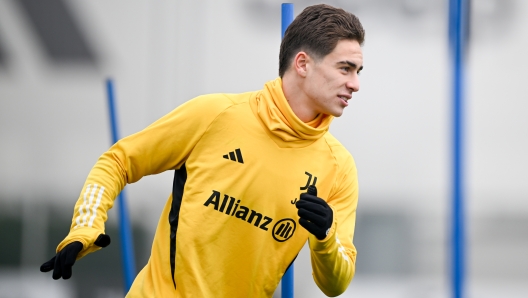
{"x":297,"y":98}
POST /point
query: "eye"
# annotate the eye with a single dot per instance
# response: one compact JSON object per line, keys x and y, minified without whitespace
{"x":346,"y":69}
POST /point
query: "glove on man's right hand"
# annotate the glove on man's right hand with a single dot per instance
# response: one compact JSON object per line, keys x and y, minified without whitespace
{"x":62,"y":262}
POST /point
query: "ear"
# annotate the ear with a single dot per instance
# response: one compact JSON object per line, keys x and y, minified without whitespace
{"x":300,"y":62}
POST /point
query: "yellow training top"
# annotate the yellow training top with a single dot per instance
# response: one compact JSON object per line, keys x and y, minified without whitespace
{"x":230,"y":227}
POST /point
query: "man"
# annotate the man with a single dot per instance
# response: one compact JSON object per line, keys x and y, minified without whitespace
{"x":256,"y":175}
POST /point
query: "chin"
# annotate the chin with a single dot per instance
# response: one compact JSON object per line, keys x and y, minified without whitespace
{"x":335,"y":113}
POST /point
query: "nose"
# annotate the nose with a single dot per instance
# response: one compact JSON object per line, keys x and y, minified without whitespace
{"x":353,"y":83}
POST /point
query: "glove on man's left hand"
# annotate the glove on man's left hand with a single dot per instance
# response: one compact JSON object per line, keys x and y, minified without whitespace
{"x":315,"y":214}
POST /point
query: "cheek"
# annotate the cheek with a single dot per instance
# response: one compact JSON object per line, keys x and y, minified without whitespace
{"x":329,"y":86}
{"x":325,"y":83}
{"x":331,"y":81}
{"x":326,"y":80}
{"x":321,"y":86}
{"x":316,"y":84}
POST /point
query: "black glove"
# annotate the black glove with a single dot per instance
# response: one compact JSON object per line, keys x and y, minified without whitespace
{"x":315,"y":214}
{"x":62,"y":262}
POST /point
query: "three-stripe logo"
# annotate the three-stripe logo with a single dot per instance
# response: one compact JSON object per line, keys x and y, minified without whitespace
{"x":235,"y":156}
{"x":88,"y":209}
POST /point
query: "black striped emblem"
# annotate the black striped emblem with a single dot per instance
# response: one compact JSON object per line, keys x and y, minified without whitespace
{"x":283,"y":229}
{"x":235,"y":156}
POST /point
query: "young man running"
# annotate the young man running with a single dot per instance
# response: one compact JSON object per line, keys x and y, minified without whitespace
{"x":256,"y":175}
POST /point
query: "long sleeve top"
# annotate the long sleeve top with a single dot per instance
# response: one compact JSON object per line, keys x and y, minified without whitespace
{"x":230,"y":226}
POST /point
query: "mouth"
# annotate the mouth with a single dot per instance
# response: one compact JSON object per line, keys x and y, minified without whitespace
{"x":344,"y":99}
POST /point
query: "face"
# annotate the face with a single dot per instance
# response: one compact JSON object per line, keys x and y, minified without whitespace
{"x":330,"y":81}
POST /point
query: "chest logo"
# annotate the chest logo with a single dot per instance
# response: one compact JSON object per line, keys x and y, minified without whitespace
{"x":235,"y":156}
{"x":284,"y":229}
{"x":229,"y":206}
{"x":307,"y":184}
{"x":233,"y":207}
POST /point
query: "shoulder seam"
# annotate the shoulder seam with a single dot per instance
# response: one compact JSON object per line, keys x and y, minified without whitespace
{"x":221,"y":112}
{"x":339,"y":167}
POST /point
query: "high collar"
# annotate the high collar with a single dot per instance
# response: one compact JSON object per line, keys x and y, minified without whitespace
{"x":287,"y":130}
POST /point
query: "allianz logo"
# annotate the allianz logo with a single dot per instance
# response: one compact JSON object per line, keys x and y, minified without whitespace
{"x":282,"y":230}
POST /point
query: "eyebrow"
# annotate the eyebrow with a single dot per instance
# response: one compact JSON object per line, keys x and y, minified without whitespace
{"x":351,"y":64}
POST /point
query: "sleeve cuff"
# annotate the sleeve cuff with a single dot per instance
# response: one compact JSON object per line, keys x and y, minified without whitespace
{"x":329,"y":240}
{"x":86,"y":236}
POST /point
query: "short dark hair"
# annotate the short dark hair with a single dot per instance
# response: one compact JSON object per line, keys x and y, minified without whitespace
{"x":316,"y":31}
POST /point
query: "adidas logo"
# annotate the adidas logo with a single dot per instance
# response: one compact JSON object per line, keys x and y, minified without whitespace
{"x":235,"y":156}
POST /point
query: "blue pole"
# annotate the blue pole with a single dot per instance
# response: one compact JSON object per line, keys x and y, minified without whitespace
{"x":286,"y":17}
{"x":458,"y":13}
{"x":127,"y":246}
{"x":287,"y":279}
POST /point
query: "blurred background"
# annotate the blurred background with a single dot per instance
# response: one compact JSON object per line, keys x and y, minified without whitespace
{"x":56,"y":54}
